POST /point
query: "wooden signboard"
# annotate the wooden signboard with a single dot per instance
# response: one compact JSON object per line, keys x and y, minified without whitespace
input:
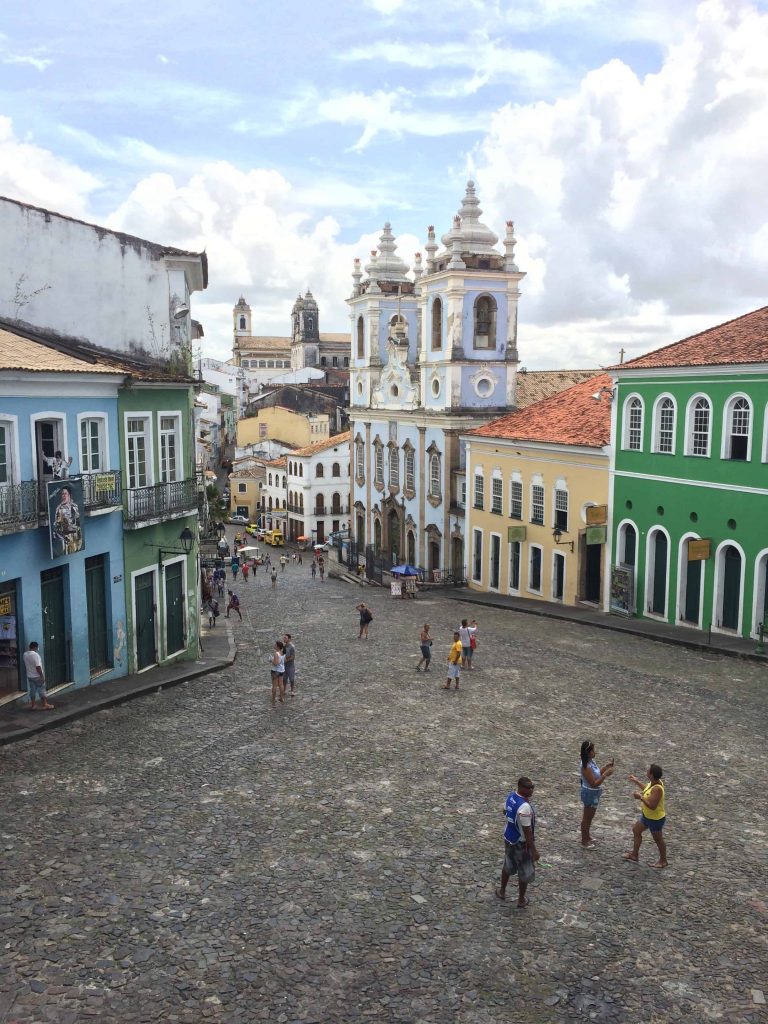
{"x":597,"y":534}
{"x":622,"y":590}
{"x":597,"y":515}
{"x":396,"y":588}
{"x":516,"y":533}
{"x":699,"y":550}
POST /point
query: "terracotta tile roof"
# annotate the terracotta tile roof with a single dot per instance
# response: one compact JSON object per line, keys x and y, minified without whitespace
{"x":246,"y":474}
{"x":536,"y":385}
{"x":739,"y":341}
{"x":276,"y":463}
{"x":570,"y":417}
{"x":321,"y":446}
{"x":346,"y":338}
{"x":17,"y":353}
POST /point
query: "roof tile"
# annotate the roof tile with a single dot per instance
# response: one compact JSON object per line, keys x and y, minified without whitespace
{"x":736,"y":342}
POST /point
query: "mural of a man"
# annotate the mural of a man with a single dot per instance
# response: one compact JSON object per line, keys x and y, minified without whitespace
{"x":67,"y":531}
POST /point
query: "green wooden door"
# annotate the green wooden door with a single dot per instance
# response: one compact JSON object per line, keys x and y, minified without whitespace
{"x":55,"y":640}
{"x":630,"y":545}
{"x":692,"y":592}
{"x":659,"y":573}
{"x":174,"y":608}
{"x":731,"y":588}
{"x":593,"y":557}
{"x":144,"y":625}
{"x":99,"y":636}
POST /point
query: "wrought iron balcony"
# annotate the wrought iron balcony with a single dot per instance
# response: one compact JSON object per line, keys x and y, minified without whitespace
{"x":102,"y":490}
{"x":328,"y":510}
{"x":25,"y":505}
{"x":19,"y":506}
{"x":160,"y":501}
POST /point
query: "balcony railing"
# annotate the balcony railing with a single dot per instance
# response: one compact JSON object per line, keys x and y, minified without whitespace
{"x":296,"y":508}
{"x":25,"y":504}
{"x":160,"y":500}
{"x":102,"y":490}
{"x":328,"y":510}
{"x":19,"y":506}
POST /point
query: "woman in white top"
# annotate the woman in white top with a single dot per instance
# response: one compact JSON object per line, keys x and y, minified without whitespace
{"x":277,"y":670}
{"x":592,"y":779}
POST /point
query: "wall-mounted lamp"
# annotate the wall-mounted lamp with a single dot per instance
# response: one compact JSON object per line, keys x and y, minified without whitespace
{"x":557,"y":533}
{"x":186,"y":539}
{"x":605,"y":390}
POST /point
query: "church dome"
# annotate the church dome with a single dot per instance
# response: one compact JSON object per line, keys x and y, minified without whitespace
{"x":387,"y":265}
{"x":473,"y":236}
{"x":242,"y":304}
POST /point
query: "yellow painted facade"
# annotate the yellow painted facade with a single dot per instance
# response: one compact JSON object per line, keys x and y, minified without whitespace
{"x":529,"y":488}
{"x":245,"y":493}
{"x":281,"y":424}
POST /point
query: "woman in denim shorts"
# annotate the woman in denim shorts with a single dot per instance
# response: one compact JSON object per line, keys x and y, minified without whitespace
{"x":592,"y":779}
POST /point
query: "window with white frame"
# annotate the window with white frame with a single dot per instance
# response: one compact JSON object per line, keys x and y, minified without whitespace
{"x":92,"y":444}
{"x":534,"y":568}
{"x":664,"y":428}
{"x":169,"y":449}
{"x":137,"y":440}
{"x":6,"y":447}
{"x":516,"y":499}
{"x":394,"y":467}
{"x":435,"y":476}
{"x":699,"y":426}
{"x":633,"y":424}
{"x":242,"y":488}
{"x":514,"y":565}
{"x":359,"y":460}
{"x":494,"y":562}
{"x":497,"y":495}
{"x":378,"y":475}
{"x":561,"y":509}
{"x":477,"y":555}
{"x":537,"y":504}
{"x":738,"y":426}
{"x":410,"y":470}
{"x":463,"y":493}
{"x":479,"y":491}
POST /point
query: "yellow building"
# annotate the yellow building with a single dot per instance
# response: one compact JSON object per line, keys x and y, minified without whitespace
{"x":277,"y":423}
{"x":537,"y":495}
{"x":246,"y":482}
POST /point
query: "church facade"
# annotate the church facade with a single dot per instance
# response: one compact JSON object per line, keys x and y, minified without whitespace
{"x":434,"y":354}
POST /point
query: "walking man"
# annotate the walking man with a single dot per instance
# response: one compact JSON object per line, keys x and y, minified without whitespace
{"x":33,"y":665}
{"x":454,"y":662}
{"x":274,"y":578}
{"x":234,"y":604}
{"x":289,"y":650}
{"x":246,"y":570}
{"x":466,"y":632}
{"x":520,"y":853}
{"x":425,"y":642}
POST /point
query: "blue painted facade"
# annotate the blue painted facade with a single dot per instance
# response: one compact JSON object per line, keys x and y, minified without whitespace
{"x":78,"y":622}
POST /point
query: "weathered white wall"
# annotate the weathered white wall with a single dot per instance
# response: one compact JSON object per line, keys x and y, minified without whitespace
{"x":89,"y":283}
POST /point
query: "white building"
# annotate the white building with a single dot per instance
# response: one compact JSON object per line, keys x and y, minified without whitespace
{"x":434,"y":354}
{"x":41,"y":265}
{"x":319,"y":489}
{"x":274,"y":496}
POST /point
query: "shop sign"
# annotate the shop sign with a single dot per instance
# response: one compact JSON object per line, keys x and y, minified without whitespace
{"x":104,"y":483}
{"x":597,"y":534}
{"x":597,"y":515}
{"x":5,"y":604}
{"x":699,"y":550}
{"x":516,"y":533}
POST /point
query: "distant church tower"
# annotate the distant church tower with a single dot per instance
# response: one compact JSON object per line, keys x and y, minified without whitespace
{"x":241,"y":317}
{"x":305,"y":332}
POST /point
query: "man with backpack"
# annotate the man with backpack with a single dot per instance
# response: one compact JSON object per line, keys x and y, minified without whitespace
{"x":366,"y":617}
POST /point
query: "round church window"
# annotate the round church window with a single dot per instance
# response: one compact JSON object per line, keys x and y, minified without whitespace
{"x":359,"y":387}
{"x":435,"y":388}
{"x":484,"y":387}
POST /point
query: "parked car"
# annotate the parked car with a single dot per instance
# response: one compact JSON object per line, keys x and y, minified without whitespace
{"x":252,"y":528}
{"x":322,"y":547}
{"x":238,"y":520}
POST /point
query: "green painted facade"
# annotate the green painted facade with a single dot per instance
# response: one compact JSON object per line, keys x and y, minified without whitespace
{"x":670,"y":498}
{"x":160,"y":501}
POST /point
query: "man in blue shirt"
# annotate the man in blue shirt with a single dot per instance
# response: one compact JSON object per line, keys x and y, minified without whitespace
{"x":520,"y":853}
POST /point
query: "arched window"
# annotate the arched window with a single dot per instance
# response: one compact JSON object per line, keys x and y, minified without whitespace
{"x":242,"y":323}
{"x":270,"y":479}
{"x":437,"y":325}
{"x":410,"y":470}
{"x":664,"y":426}
{"x":435,"y":482}
{"x":319,"y":469}
{"x":737,"y":429}
{"x":378,"y":475}
{"x":698,"y":426}
{"x":410,"y":547}
{"x":323,"y":361}
{"x":336,"y":503}
{"x":633,"y":424}
{"x":319,"y":504}
{"x":360,"y":338}
{"x":310,"y":324}
{"x":485,"y":322}
{"x":270,"y":503}
{"x":394,"y":467}
{"x":283,"y":481}
{"x":335,"y":469}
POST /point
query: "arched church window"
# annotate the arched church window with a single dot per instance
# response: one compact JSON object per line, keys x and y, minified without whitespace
{"x":310,"y":324}
{"x":360,"y":338}
{"x":437,"y":325}
{"x":242,"y":323}
{"x":485,"y":322}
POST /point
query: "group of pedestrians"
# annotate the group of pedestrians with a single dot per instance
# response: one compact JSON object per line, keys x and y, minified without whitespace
{"x":282,"y":668}
{"x":520,"y":851}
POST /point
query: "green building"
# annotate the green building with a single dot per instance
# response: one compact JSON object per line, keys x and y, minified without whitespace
{"x":689,"y":492}
{"x":160,"y":519}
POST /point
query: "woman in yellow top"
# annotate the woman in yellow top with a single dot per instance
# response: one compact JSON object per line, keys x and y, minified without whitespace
{"x":652,"y":814}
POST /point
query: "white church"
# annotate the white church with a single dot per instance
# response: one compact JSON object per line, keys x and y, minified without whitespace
{"x":434,"y":354}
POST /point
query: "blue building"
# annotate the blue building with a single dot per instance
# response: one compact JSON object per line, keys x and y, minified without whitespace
{"x":434,"y":354}
{"x":61,"y":522}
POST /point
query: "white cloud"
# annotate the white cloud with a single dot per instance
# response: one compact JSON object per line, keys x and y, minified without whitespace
{"x":640,"y":190}
{"x":33,"y":59}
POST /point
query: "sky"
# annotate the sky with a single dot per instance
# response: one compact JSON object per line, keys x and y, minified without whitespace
{"x":628,"y":142}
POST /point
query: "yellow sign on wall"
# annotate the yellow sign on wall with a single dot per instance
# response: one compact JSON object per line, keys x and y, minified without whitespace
{"x":597,"y":515}
{"x":699,"y":550}
{"x":5,"y":604}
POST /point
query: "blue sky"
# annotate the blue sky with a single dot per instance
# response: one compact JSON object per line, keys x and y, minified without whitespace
{"x":624,"y":140}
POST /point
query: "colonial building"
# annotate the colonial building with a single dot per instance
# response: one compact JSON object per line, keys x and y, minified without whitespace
{"x":264,"y":357}
{"x":433,"y":355}
{"x":689,"y":492}
{"x":538,"y":482}
{"x":318,"y":489}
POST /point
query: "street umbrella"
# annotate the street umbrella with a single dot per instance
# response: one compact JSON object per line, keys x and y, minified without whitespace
{"x":251,"y":548}
{"x":404,"y":570}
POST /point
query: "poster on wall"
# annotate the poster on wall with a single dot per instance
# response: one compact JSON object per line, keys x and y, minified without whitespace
{"x":622,"y":590}
{"x":65,"y":517}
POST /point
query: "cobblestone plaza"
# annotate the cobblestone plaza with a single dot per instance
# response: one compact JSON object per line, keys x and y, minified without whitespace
{"x":195,"y":856}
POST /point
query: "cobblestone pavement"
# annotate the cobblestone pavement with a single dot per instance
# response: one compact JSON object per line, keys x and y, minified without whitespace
{"x":195,"y":856}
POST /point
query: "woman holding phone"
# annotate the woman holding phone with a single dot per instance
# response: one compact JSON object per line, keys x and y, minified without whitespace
{"x":592,"y":779}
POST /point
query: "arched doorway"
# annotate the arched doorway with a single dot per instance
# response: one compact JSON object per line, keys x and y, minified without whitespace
{"x":360,"y":530}
{"x":628,"y":545}
{"x":434,"y":554}
{"x":729,"y":593}
{"x":690,"y":579}
{"x":393,"y":529}
{"x":410,"y":547}
{"x":376,"y":536}
{"x":656,"y":592}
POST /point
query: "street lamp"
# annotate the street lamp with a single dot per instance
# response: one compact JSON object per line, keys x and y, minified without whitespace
{"x":186,"y":539}
{"x":557,"y":533}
